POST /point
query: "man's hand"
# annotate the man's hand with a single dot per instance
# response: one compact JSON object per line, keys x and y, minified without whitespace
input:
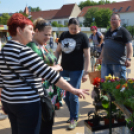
{"x":99,"y":61}
{"x":128,"y":63}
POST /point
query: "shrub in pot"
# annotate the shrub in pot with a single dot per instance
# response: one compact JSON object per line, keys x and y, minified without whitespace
{"x":105,"y":105}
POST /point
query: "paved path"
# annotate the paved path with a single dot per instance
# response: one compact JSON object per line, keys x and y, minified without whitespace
{"x":62,"y":115}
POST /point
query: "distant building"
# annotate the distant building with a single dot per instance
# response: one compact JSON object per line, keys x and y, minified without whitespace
{"x":125,"y":9}
{"x":61,"y":16}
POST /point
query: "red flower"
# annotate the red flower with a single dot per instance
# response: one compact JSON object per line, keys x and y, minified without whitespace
{"x":118,"y":86}
{"x":96,"y":81}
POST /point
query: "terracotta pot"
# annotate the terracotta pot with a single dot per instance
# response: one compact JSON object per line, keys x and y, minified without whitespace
{"x":122,"y":119}
{"x":106,"y":120}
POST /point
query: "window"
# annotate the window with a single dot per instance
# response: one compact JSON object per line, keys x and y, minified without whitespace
{"x":65,"y":22}
{"x":120,"y":9}
{"x":128,"y":8}
{"x":122,"y":21}
{"x":116,"y":10}
{"x":59,"y":22}
{"x":113,"y":9}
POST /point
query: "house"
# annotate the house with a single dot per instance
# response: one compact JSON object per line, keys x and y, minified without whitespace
{"x":125,"y":9}
{"x":47,"y":15}
{"x":66,"y":12}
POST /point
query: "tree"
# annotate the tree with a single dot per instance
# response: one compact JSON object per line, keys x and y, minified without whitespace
{"x":93,"y":3}
{"x":55,"y":24}
{"x":36,"y":9}
{"x":4,"y":18}
{"x":101,"y":16}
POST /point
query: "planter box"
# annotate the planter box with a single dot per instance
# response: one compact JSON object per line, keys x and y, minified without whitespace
{"x":89,"y":128}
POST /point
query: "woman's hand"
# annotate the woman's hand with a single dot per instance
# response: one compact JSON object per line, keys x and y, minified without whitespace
{"x":57,"y":67}
{"x":81,"y":92}
{"x":84,"y":77}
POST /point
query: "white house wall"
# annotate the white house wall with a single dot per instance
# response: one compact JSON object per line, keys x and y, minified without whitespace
{"x":60,"y":20}
{"x":81,"y":20}
{"x":127,"y":18}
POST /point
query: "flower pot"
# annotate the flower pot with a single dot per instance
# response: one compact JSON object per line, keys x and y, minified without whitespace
{"x":106,"y":120}
{"x":96,"y":121}
{"x":120,"y":119}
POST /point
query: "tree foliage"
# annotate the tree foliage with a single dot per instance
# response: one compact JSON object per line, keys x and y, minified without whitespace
{"x":101,"y":17}
{"x":93,"y":3}
{"x":36,"y":9}
{"x":55,"y":24}
{"x":4,"y":18}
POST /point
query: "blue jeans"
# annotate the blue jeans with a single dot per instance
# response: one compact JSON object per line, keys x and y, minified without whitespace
{"x":72,"y":100}
{"x":116,"y":70}
{"x":24,"y":118}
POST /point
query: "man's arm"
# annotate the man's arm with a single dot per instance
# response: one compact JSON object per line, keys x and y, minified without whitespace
{"x":129,"y":50}
{"x":129,"y":54}
{"x":86,"y":64}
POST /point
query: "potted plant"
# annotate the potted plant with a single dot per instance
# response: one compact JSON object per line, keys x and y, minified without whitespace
{"x":130,"y":123}
{"x":105,"y":105}
{"x":95,"y":117}
{"x":120,"y":116}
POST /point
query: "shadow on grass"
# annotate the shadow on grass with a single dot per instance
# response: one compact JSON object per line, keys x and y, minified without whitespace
{"x":5,"y":131}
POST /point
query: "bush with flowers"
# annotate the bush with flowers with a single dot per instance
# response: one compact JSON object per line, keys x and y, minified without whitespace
{"x":121,"y":89}
{"x":123,"y":92}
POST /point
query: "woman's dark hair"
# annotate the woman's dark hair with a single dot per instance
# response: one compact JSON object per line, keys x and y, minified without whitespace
{"x":73,"y":21}
{"x":40,"y":24}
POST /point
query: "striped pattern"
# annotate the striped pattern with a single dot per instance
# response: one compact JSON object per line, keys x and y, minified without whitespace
{"x":27,"y":63}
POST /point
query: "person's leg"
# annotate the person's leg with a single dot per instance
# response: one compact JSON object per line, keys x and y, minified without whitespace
{"x":65,"y":73}
{"x":119,"y":71}
{"x":106,"y":70}
{"x":75,"y":81}
{"x":46,"y":127}
{"x":12,"y":118}
{"x":24,"y":118}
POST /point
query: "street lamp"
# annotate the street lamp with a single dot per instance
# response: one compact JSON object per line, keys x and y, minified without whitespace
{"x":93,"y":20}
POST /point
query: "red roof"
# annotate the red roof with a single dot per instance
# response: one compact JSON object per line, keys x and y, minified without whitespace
{"x":48,"y":15}
{"x":120,"y":7}
{"x":64,"y":12}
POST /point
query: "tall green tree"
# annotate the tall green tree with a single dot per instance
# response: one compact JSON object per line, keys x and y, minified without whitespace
{"x":36,"y":9}
{"x":101,"y":17}
{"x":93,"y":3}
{"x":4,"y":18}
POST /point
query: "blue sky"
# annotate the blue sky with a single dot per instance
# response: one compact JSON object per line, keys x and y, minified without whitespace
{"x":12,"y":6}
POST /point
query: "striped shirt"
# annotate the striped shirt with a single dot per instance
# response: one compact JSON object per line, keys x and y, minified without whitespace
{"x":27,"y":63}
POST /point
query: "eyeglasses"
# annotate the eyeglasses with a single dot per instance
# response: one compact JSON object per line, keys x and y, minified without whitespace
{"x":113,"y":19}
{"x":92,"y":29}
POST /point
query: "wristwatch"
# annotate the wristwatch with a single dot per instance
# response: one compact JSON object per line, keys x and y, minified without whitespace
{"x":129,"y":59}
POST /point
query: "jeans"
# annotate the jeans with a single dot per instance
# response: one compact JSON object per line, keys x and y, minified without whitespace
{"x":71,"y":100}
{"x":24,"y":118}
{"x":116,"y":70}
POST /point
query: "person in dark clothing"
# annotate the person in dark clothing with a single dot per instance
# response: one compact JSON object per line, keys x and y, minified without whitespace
{"x":75,"y":49}
{"x":117,"y":51}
